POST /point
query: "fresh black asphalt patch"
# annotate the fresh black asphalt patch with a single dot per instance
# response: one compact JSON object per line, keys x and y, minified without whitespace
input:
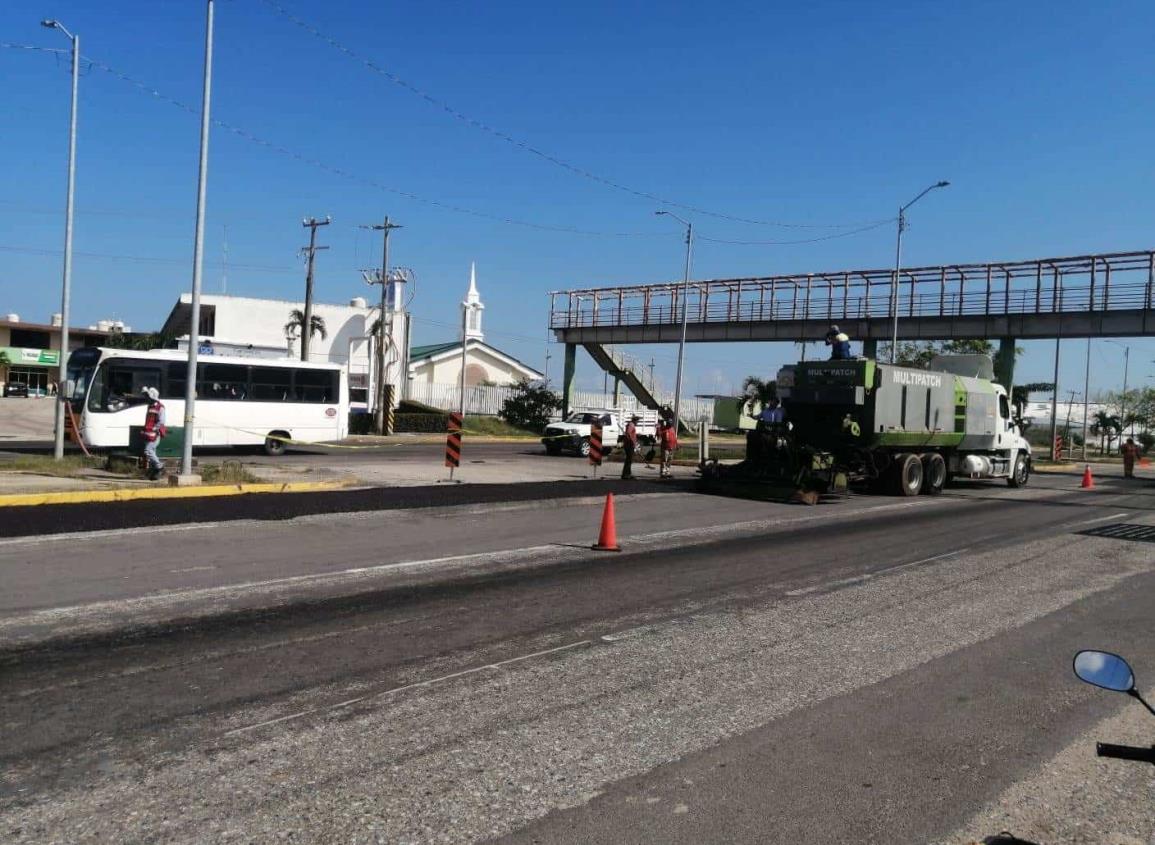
{"x":39,"y":520}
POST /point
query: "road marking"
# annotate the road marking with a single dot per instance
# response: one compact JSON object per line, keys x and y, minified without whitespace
{"x":869,"y":576}
{"x":1104,"y":518}
{"x":427,"y":683}
{"x":193,"y":569}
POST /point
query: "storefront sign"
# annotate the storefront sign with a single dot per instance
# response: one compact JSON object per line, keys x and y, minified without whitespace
{"x":32,"y":357}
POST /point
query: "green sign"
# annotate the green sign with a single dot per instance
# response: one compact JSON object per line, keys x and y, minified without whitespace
{"x":16,"y":356}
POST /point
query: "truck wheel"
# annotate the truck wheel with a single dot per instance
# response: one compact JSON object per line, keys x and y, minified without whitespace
{"x":274,"y":445}
{"x":1022,"y":473}
{"x":933,"y":474}
{"x":584,"y":449}
{"x":907,"y":478}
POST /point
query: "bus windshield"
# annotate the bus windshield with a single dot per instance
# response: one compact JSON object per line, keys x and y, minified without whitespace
{"x":81,"y":366}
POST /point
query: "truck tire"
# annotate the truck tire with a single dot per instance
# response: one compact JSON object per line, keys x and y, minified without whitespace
{"x":933,"y":473}
{"x":907,"y":477}
{"x":584,"y":449}
{"x":1022,"y":472}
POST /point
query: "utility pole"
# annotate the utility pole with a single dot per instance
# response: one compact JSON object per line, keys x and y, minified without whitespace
{"x":1067,"y":428}
{"x":62,"y":392}
{"x":1086,"y":398}
{"x":382,"y":278}
{"x":194,"y":336}
{"x":1055,"y":403}
{"x":310,"y":223}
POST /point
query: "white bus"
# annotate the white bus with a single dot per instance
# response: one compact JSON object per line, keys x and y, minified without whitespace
{"x":240,"y":401}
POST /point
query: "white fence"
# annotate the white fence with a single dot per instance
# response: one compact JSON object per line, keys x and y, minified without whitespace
{"x":488,"y":400}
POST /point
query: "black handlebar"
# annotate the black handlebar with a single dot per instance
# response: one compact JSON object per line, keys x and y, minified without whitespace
{"x":1126,"y":752}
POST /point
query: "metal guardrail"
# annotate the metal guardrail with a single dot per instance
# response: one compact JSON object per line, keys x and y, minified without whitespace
{"x":1080,"y":284}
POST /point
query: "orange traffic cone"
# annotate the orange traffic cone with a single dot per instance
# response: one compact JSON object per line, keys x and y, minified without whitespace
{"x":1143,"y":462}
{"x":608,"y":539}
{"x":1088,"y":481}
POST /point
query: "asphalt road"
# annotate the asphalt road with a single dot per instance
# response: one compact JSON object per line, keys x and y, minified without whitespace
{"x":880,"y":671}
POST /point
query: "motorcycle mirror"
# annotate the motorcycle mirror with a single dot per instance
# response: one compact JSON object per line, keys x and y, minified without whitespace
{"x":1105,"y":670}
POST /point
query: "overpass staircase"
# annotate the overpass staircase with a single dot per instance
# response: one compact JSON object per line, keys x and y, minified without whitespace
{"x":626,"y":369}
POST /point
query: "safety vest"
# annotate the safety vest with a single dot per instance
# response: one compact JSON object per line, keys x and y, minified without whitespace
{"x":154,"y":422}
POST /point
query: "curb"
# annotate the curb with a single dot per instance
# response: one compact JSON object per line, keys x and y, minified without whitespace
{"x":213,"y":491}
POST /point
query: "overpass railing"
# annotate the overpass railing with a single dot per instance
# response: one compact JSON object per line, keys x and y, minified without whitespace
{"x":1088,"y":284}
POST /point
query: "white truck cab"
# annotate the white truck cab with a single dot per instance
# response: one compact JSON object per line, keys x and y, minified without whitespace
{"x":573,"y":433}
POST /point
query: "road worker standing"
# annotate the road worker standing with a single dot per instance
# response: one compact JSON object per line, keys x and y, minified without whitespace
{"x":154,"y":430}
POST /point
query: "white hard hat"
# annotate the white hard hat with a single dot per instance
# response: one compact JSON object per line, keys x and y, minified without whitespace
{"x":152,"y":393}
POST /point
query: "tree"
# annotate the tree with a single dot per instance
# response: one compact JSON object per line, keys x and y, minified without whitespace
{"x":530,"y":406}
{"x":756,"y":390}
{"x":920,"y":353}
{"x":297,"y":320}
{"x":140,"y":341}
{"x":1107,"y":427}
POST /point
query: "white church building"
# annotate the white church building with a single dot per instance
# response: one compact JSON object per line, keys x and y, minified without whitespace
{"x":262,"y":328}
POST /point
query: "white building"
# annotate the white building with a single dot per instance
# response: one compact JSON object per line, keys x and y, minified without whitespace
{"x":263,"y":328}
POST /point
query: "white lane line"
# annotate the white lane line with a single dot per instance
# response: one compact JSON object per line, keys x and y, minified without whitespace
{"x":859,"y":579}
{"x":193,"y":569}
{"x":1103,"y":518}
{"x":428,"y":683}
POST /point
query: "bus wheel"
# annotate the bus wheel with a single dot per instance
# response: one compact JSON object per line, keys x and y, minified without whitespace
{"x":933,"y":473}
{"x":907,"y":476}
{"x":274,"y":444}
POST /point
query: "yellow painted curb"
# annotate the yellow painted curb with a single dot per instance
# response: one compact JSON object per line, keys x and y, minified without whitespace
{"x":87,"y":496}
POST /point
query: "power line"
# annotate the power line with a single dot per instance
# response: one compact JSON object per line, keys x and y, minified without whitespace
{"x":345,"y":174}
{"x":141,"y":259}
{"x":527,"y":147}
{"x":869,"y":228}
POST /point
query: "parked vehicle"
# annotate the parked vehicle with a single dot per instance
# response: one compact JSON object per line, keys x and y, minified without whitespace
{"x":16,"y":389}
{"x":573,"y":433}
{"x":1111,"y":672}
{"x":240,"y":401}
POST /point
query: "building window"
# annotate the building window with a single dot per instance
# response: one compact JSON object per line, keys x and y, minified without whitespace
{"x":29,"y":338}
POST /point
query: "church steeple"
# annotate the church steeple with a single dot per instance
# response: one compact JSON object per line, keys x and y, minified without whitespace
{"x":473,"y":307}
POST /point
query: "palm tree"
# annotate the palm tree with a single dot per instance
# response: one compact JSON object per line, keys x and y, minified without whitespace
{"x":297,"y":320}
{"x":754,"y":390}
{"x":1107,"y":426}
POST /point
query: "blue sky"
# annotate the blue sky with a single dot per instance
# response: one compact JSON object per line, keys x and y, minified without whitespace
{"x":827,"y":112}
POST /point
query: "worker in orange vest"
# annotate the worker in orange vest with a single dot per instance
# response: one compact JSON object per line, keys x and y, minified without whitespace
{"x":154,"y":430}
{"x":668,"y":440}
{"x":1130,"y":451}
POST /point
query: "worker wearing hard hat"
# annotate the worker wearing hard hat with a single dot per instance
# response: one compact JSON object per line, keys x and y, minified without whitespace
{"x":154,"y":430}
{"x":839,"y":344}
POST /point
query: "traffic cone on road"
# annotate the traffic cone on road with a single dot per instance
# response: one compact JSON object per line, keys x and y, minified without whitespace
{"x":1088,"y":481}
{"x":608,"y":538}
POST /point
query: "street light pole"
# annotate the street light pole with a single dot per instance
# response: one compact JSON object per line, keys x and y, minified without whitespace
{"x":66,"y":287}
{"x":685,"y":298}
{"x":898,"y":266}
{"x":194,"y":337}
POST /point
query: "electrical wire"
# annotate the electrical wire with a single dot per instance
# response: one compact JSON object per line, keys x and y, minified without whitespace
{"x":529,"y":148}
{"x":353,"y":177}
{"x":869,"y":228}
{"x":141,"y":259}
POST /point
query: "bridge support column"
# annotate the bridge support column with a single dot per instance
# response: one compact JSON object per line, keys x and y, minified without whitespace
{"x":1005,"y":363}
{"x":567,"y":378}
{"x":870,"y":348}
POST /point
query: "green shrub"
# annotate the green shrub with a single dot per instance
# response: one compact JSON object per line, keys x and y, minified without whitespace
{"x":530,"y":407}
{"x":421,"y":423}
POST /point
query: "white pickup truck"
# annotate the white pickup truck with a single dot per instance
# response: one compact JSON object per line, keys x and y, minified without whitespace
{"x":573,"y":433}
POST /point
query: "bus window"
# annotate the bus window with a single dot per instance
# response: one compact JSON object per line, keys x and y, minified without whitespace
{"x":123,"y":381}
{"x":316,"y":386}
{"x":175,"y":377}
{"x":223,"y":382}
{"x":272,"y":384}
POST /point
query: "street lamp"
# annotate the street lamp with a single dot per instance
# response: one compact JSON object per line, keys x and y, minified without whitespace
{"x":685,"y":297}
{"x":66,"y":292}
{"x":194,"y":334}
{"x":898,"y":266}
{"x":1123,"y":398}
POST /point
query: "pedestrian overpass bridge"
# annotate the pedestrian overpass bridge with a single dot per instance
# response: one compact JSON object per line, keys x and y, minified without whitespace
{"x":1105,"y":295}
